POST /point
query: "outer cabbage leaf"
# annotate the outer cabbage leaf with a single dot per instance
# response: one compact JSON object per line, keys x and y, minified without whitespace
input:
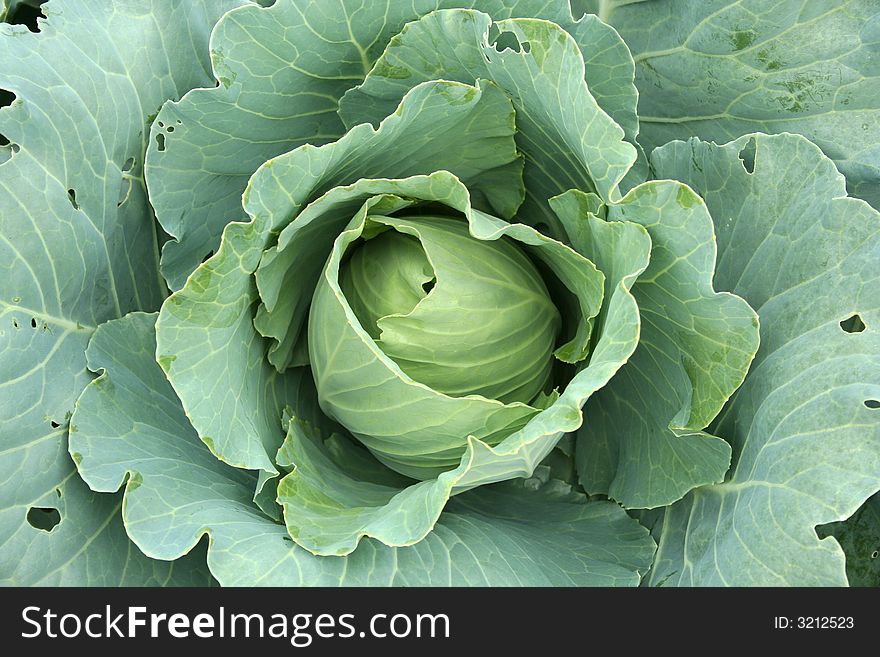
{"x":719,"y":69}
{"x":89,"y":546}
{"x":522,"y":534}
{"x":281,"y":74}
{"x":644,"y":445}
{"x":804,"y":426}
{"x":281,"y":70}
{"x":568,"y":140}
{"x":76,"y":248}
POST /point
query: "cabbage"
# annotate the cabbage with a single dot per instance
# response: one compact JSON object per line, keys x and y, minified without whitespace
{"x":503,"y":293}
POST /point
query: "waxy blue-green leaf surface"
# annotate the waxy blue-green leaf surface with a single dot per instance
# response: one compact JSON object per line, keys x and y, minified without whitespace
{"x":77,"y":247}
{"x":718,"y":69}
{"x":644,"y":445}
{"x":804,"y":426}
{"x":281,"y":72}
{"x":568,"y":140}
{"x":256,"y":428}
